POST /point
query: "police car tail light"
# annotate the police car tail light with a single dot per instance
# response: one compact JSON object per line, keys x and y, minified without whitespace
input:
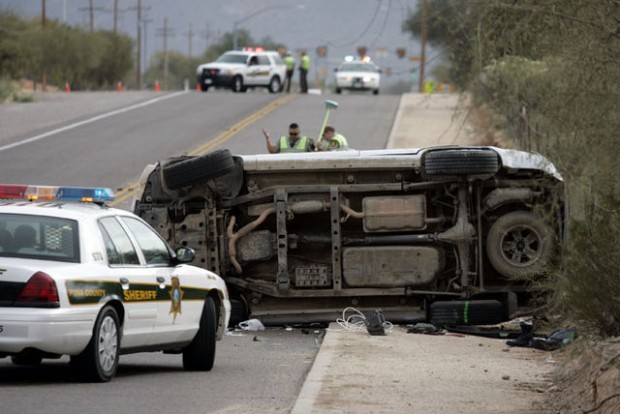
{"x":54,"y":193}
{"x":39,"y":291}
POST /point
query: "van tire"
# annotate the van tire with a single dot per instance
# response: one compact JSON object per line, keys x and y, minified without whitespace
{"x":460,"y":162}
{"x":209,"y":166}
{"x":519,"y":244}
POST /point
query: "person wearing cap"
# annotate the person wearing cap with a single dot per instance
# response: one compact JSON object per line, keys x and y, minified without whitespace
{"x":289,"y":61}
{"x":333,"y":141}
{"x":295,"y":142}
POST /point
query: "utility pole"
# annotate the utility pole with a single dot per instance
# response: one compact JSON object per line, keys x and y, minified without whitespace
{"x":44,"y":75}
{"x":165,"y":32}
{"x":91,"y":14}
{"x":145,"y":49}
{"x":115,"y":16}
{"x":206,"y":34}
{"x":190,"y":35}
{"x":423,"y":52}
{"x":138,"y":48}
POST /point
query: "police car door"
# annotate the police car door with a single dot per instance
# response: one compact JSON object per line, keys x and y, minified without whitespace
{"x":264,"y":70}
{"x":138,"y":290}
{"x":178,"y":311}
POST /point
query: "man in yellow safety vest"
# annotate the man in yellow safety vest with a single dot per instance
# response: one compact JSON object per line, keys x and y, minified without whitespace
{"x":289,"y":61}
{"x":332,"y":141}
{"x":304,"y":66}
{"x":295,"y":142}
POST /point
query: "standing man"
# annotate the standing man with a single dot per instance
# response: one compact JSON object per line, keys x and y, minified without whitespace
{"x":295,"y":142}
{"x":304,"y":65}
{"x":289,"y":61}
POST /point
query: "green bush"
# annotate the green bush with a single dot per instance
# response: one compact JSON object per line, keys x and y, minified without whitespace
{"x":549,"y":72}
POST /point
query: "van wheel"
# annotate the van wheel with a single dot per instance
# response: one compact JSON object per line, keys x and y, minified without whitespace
{"x":212,"y":165}
{"x":519,"y":244}
{"x":199,"y":355}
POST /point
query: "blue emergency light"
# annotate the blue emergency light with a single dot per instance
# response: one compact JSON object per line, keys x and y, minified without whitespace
{"x":55,"y":193}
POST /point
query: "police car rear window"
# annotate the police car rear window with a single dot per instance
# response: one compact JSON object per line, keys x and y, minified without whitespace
{"x":39,"y":237}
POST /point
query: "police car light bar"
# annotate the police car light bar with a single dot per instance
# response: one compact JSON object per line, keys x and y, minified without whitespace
{"x":54,"y":193}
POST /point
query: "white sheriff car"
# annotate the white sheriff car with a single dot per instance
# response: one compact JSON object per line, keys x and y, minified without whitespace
{"x":93,"y":282}
{"x":243,"y":69}
{"x":358,"y":75}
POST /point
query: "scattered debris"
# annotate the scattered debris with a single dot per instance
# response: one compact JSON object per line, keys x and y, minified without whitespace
{"x":553,"y":341}
{"x":373,"y":322}
{"x":425,"y":328}
{"x":252,"y":325}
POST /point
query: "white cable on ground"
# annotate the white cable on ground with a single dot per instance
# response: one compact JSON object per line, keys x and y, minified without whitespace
{"x":356,"y":322}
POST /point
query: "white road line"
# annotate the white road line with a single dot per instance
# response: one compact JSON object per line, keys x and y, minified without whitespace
{"x":88,"y":121}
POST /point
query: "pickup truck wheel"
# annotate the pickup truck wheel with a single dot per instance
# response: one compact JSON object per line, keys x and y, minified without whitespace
{"x":338,"y":91}
{"x":275,"y":85}
{"x":519,"y":244}
{"x":375,"y":92}
{"x":238,"y":85}
{"x":209,"y":166}
{"x":199,"y":355}
{"x":99,"y":361}
{"x":460,"y":162}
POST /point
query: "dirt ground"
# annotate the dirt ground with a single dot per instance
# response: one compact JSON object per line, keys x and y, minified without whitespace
{"x":584,"y":376}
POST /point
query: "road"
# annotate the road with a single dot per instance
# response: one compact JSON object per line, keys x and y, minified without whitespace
{"x":253,"y":372}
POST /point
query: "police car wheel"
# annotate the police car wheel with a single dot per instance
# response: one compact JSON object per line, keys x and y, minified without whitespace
{"x":200,"y":353}
{"x":274,"y":85}
{"x":99,"y":361}
{"x":238,"y":84}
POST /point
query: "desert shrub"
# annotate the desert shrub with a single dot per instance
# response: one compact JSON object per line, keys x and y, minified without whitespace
{"x":549,"y":72}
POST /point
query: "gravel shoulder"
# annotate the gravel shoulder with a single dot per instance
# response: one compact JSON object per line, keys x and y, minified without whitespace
{"x":402,"y":372}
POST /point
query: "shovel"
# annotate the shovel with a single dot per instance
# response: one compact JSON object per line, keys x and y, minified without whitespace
{"x":329,"y":105}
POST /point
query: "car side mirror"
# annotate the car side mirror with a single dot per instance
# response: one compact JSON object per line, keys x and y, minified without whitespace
{"x":185,"y":255}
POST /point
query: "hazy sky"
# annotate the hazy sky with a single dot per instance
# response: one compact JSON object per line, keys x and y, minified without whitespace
{"x":341,"y":25}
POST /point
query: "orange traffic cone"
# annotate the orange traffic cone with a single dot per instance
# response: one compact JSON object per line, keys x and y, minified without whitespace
{"x":198,"y":87}
{"x":156,"y":86}
{"x":67,"y":87}
{"x":119,"y":87}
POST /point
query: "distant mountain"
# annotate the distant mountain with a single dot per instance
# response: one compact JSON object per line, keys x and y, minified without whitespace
{"x":341,"y":25}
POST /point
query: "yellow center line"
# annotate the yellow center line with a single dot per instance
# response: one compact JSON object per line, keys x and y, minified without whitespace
{"x":219,"y":139}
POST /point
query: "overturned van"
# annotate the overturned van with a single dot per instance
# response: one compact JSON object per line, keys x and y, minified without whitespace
{"x":446,"y":234}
